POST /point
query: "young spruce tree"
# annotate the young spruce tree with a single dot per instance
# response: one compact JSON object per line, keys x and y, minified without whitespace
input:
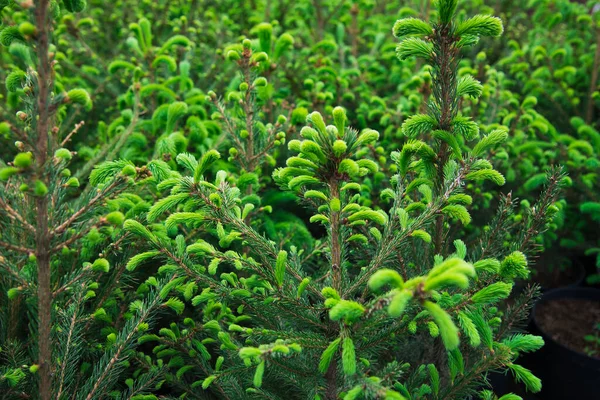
{"x":62,"y":252}
{"x":394,"y":305}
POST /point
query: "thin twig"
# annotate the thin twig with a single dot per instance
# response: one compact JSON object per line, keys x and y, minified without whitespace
{"x":65,"y":358}
{"x":74,"y":238}
{"x":14,"y":215}
{"x":74,"y":131}
{"x":100,"y":196}
{"x":16,"y":248}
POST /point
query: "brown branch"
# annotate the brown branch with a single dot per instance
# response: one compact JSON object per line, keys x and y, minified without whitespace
{"x":14,"y":215}
{"x":231,"y":129}
{"x":73,"y":238}
{"x":13,"y":247}
{"x":72,"y":281}
{"x":488,"y":362}
{"x":100,"y":196}
{"x":74,"y":131}
{"x":114,"y":360}
{"x":19,"y":133}
{"x":14,"y":274}
{"x":589,"y":114}
{"x":123,"y":345}
{"x":68,"y":348}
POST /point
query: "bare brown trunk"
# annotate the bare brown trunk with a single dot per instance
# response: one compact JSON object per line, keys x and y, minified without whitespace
{"x":354,"y":31}
{"x":44,"y":300}
{"x":336,"y":248}
{"x":42,"y":236}
{"x":336,"y":273}
{"x":320,"y":20}
{"x":447,"y":114}
{"x":331,"y":376}
{"x":589,"y":115}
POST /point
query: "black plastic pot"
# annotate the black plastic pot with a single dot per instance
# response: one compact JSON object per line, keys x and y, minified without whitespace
{"x":565,"y":373}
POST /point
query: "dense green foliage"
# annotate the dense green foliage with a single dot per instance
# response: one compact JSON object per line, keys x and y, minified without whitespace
{"x":306,"y":199}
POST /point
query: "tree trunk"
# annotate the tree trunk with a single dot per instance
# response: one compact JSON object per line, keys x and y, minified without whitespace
{"x":42,"y":237}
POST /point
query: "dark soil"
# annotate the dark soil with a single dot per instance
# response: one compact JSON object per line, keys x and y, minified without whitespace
{"x":567,"y":321}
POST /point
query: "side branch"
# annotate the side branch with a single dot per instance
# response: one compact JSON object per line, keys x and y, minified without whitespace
{"x":15,"y":216}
